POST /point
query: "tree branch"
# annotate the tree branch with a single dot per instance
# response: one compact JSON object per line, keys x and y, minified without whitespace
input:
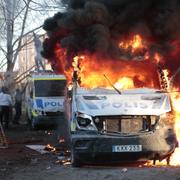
{"x":29,"y":32}
{"x":22,"y":32}
{"x":25,"y":72}
{"x":20,"y":12}
{"x":2,"y":61}
{"x":23,"y":45}
{"x":4,"y":11}
{"x":3,"y":65}
{"x":3,"y":50}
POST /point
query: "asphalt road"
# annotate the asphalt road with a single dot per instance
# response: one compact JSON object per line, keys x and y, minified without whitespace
{"x":18,"y":162}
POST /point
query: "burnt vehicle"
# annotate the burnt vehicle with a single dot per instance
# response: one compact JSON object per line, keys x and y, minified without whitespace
{"x":129,"y":126}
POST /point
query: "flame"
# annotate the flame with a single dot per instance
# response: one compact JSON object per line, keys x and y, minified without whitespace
{"x":135,"y":48}
{"x":135,"y":43}
{"x":175,"y":99}
{"x":157,"y":57}
{"x":50,"y":148}
{"x":124,"y":83}
{"x":175,"y":158}
{"x":175,"y":96}
{"x":122,"y":74}
{"x":166,"y":78}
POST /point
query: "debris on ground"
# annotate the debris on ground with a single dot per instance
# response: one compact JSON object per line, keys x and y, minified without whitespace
{"x":39,"y":148}
{"x":124,"y":170}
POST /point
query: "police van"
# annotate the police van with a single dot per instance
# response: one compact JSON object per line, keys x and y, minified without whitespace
{"x":136,"y":125}
{"x":45,"y":99}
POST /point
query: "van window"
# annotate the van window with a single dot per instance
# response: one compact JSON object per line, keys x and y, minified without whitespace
{"x":49,"y":88}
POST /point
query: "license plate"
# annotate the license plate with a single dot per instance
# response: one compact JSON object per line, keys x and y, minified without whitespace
{"x":126,"y":148}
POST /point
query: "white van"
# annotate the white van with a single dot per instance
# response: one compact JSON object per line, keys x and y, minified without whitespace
{"x":135,"y":125}
{"x":45,"y":98}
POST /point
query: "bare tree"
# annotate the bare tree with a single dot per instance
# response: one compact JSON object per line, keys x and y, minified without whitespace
{"x":17,"y":20}
{"x":14,"y":20}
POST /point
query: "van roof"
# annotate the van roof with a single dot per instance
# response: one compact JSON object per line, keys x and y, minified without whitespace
{"x":47,"y":76}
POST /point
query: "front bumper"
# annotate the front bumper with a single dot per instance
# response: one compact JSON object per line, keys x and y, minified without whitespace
{"x":99,"y":148}
{"x":47,"y":120}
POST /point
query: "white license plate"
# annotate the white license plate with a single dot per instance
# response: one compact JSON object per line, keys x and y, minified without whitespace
{"x":126,"y":148}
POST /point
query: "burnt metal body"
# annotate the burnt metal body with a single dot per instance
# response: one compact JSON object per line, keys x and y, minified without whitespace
{"x":107,"y":127}
{"x":97,"y":147}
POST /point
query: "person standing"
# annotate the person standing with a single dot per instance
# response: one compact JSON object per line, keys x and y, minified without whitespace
{"x":5,"y":106}
{"x":18,"y":106}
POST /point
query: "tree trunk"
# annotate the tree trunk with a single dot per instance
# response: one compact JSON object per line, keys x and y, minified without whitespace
{"x":8,"y":79}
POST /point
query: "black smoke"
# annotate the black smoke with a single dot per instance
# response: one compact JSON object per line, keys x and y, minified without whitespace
{"x":97,"y":26}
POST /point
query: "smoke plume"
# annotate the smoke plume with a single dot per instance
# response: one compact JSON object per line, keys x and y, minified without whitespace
{"x":97,"y":27}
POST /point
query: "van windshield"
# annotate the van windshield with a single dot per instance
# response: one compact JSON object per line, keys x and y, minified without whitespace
{"x":49,"y":88}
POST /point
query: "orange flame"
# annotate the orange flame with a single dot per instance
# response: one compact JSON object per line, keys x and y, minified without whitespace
{"x":166,"y":74}
{"x":157,"y":57}
{"x":122,"y":74}
{"x":175,"y":98}
{"x":91,"y":68}
{"x":50,"y":148}
{"x":124,"y":83}
{"x":135,"y":43}
{"x":175,"y":160}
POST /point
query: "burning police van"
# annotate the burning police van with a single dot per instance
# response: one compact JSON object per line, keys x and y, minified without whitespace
{"x":133,"y":125}
{"x":45,"y":98}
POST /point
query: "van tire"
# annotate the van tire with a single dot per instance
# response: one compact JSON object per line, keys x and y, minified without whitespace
{"x":33,"y":125}
{"x":168,"y":160}
{"x":75,"y":162}
{"x":29,"y":121}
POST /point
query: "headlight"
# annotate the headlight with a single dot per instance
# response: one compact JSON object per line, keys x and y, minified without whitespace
{"x":96,"y":120}
{"x":85,"y":122}
{"x":36,"y":112}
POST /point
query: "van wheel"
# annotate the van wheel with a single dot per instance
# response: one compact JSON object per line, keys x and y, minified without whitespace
{"x":168,"y":159}
{"x":75,"y":162}
{"x":28,"y":120}
{"x":32,"y":125}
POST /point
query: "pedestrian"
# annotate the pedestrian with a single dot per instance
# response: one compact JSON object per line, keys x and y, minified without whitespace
{"x":5,"y":106}
{"x":17,"y":106}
